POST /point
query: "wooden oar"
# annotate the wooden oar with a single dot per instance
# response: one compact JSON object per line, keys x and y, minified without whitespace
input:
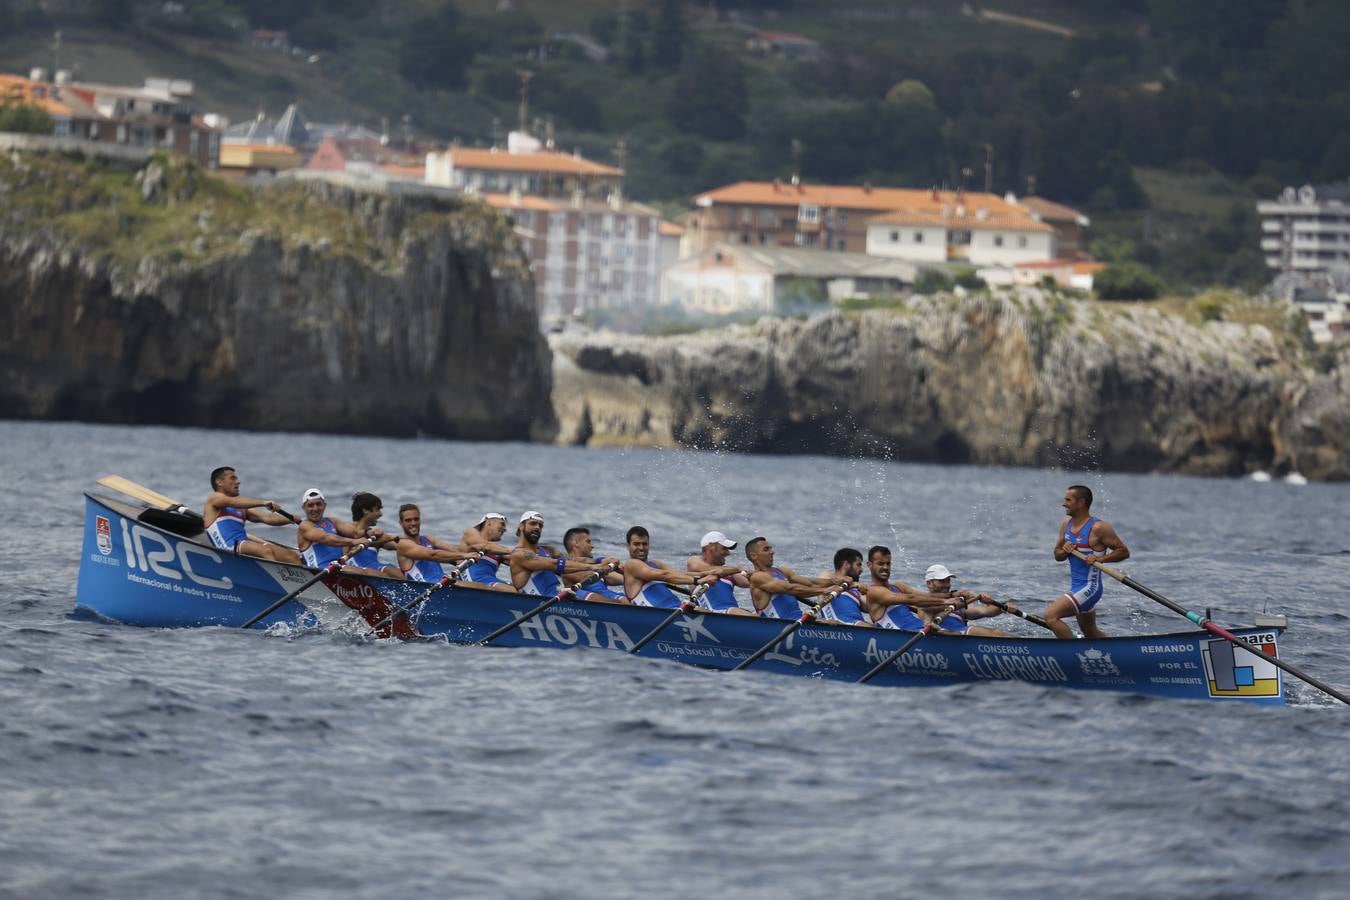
{"x":145,"y":495}
{"x":564,"y":594}
{"x":804,"y":619}
{"x":1209,"y":626}
{"x":687,"y":606}
{"x":904,"y":648}
{"x":329,"y":569}
{"x":444,"y":581}
{"x":1030,"y":617}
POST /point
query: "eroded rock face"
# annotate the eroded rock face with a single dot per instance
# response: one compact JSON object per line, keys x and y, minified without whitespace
{"x":440,"y":336}
{"x":1031,"y":380}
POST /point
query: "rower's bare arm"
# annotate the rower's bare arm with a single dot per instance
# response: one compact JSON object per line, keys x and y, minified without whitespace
{"x":1061,"y":547}
{"x":530,"y":561}
{"x":409,"y":548}
{"x":316,"y":535}
{"x":767,"y":584}
{"x":268,"y":518}
{"x":1115,"y":547}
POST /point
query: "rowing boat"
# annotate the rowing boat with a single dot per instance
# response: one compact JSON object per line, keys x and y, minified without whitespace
{"x":148,"y":567}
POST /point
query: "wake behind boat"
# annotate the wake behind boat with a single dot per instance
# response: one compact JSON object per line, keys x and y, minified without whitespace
{"x":151,"y":567}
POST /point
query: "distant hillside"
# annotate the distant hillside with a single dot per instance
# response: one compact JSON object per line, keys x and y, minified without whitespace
{"x":1162,"y":119}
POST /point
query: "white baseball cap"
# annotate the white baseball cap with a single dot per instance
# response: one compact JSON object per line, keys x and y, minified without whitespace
{"x":937,"y":573}
{"x":530,"y":514}
{"x":486,"y":516}
{"x":312,"y":494}
{"x":717,"y":537}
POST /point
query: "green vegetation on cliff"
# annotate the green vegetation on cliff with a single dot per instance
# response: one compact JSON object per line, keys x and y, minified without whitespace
{"x":172,"y":210}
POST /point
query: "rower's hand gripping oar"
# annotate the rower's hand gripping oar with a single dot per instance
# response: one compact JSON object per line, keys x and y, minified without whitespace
{"x":330,"y":569}
{"x":907,"y":645}
{"x":444,"y":581}
{"x":564,"y":594}
{"x":688,"y":606}
{"x":1030,"y":617}
{"x":804,"y":619}
{"x":1209,"y":626}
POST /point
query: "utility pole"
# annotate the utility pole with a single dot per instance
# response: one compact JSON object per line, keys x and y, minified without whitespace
{"x":525,"y":76}
{"x":621,"y":157}
{"x":796,"y":162}
{"x":988,"y":168}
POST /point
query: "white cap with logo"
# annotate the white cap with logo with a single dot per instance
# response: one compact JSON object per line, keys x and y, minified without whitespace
{"x":486,"y":516}
{"x":530,"y":514}
{"x":311,"y":494}
{"x":717,"y":537}
{"x":937,"y":572}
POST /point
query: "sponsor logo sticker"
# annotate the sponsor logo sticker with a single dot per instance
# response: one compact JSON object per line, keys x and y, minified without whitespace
{"x":1233,"y":672}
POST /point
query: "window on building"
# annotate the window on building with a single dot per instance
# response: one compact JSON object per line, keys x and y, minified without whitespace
{"x":745,"y":237}
{"x":747,"y":215}
{"x":768,"y":218}
{"x":1022,"y":241}
{"x":808,"y":212}
{"x":918,"y":237}
{"x":194,"y":142}
{"x":895,"y":237}
{"x":61,"y":127}
{"x":960,"y":238}
{"x":998,"y":240}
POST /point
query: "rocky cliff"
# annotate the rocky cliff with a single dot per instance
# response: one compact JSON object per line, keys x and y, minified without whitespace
{"x":168,"y":295}
{"x":1025,"y":379}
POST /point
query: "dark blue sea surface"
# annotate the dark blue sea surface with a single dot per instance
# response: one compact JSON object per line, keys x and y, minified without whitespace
{"x":223,"y":763}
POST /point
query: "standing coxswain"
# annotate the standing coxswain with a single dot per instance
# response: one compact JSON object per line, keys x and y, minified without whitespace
{"x":1096,"y":538}
{"x":225,"y":512}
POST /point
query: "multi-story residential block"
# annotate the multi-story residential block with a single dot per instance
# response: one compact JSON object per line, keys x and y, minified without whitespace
{"x":1307,"y":230}
{"x":158,"y":114}
{"x":586,"y":254}
{"x":835,"y":217}
{"x":525,"y":165}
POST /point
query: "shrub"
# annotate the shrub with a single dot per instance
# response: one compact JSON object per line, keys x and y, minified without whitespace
{"x":1127,"y":281}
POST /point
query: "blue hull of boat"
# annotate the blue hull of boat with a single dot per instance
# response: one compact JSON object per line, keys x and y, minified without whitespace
{"x":139,"y":574}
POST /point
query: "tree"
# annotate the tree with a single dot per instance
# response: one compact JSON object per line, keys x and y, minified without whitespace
{"x":911,"y":92}
{"x":1126,"y":281}
{"x":25,"y":118}
{"x":435,"y":50}
{"x":668,"y":36}
{"x":709,"y":96}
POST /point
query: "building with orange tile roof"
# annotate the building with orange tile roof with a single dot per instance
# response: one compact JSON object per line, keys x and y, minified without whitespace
{"x":1069,"y":224}
{"x":839,"y":217}
{"x":156,"y":115}
{"x":523,"y":165}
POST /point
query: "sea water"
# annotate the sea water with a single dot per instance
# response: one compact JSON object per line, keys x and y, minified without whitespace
{"x":222,"y":763}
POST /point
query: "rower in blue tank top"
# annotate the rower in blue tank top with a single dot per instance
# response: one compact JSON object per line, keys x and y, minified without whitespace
{"x":367,"y":509}
{"x":775,"y":590}
{"x":578,"y":545}
{"x":534,"y":570}
{"x":847,"y":607}
{"x":420,"y":555}
{"x":886,"y":602}
{"x":225,"y":512}
{"x":645,"y":580}
{"x":1095,"y":537}
{"x":321,"y":539}
{"x":971,"y":605}
{"x":721,"y":596}
{"x":484,"y":538}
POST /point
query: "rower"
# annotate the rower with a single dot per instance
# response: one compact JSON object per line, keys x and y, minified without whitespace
{"x":977,"y":606}
{"x":1095,"y":537}
{"x":420,"y":555}
{"x":846,"y":607}
{"x":891,"y":604}
{"x":578,"y":546}
{"x":775,"y":590}
{"x":645,"y":581}
{"x":225,"y":512}
{"x":533,"y":569}
{"x":321,"y":539}
{"x":721,"y":597}
{"x":366,"y":512}
{"x":484,"y":539}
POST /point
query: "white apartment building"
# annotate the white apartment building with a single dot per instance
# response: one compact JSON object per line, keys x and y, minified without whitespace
{"x":1307,"y":229}
{"x":960,"y":233}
